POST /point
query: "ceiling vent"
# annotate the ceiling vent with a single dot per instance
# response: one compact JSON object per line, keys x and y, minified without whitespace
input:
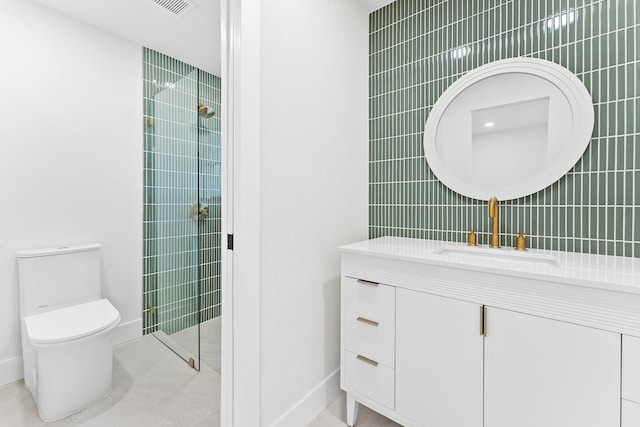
{"x":176,"y":7}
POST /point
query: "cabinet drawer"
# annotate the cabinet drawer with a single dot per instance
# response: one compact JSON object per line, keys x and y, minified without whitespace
{"x":370,"y":340}
{"x":631,"y":368}
{"x":372,"y":301}
{"x":375,"y":382}
{"x":630,"y":414}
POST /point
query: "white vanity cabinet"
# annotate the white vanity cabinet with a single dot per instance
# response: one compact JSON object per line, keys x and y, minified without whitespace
{"x":630,"y":381}
{"x":438,"y":360}
{"x":458,"y":343}
{"x":541,"y":372}
{"x":630,"y":414}
{"x":368,"y":339}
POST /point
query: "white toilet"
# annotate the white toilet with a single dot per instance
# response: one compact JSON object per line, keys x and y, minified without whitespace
{"x":66,"y":328}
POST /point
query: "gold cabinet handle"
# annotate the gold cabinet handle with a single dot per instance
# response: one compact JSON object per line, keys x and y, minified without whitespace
{"x":483,"y":320}
{"x":367,"y":321}
{"x":367,"y":282}
{"x":367,"y":360}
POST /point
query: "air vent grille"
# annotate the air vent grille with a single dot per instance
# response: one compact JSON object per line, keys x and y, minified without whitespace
{"x":177,"y":7}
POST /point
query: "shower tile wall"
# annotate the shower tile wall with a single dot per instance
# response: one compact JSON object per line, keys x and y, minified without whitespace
{"x":174,"y":135}
{"x":418,"y":48}
{"x":210,"y":185}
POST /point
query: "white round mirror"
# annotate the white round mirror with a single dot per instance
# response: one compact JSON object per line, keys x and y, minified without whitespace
{"x":508,"y":129}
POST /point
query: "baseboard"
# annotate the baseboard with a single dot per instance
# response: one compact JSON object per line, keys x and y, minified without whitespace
{"x":127,"y":331}
{"x":11,"y":370}
{"x":311,"y":405}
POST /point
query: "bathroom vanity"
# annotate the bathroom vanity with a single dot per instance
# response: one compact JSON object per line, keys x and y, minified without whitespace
{"x":441,"y":334}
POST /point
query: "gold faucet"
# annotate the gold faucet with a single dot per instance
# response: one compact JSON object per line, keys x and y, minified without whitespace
{"x":494,"y":213}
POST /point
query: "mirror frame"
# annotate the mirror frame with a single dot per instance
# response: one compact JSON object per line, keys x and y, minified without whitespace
{"x":577,"y":97}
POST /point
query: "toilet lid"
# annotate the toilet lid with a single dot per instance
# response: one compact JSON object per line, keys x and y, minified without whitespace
{"x":72,"y":322}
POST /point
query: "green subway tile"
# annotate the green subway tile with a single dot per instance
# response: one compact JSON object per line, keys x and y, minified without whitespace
{"x":581,"y":224}
{"x":630,"y":197}
{"x":557,"y":222}
{"x":605,"y":248}
{"x":568,"y":218}
{"x":618,"y":230}
{"x":633,"y":108}
{"x":606,"y":218}
{"x":416,"y":86}
{"x":628,"y":218}
{"x":633,"y":46}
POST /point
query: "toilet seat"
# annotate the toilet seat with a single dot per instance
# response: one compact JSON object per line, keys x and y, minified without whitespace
{"x":71,"y":323}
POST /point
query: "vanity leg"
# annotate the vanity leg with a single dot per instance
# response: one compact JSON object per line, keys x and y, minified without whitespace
{"x":352,"y":410}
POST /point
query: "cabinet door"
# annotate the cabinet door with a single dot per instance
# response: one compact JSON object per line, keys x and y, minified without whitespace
{"x":540,"y":372}
{"x":438,"y":360}
{"x":630,"y":414}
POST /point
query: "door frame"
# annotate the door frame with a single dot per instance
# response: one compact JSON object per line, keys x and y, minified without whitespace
{"x":240,"y":389}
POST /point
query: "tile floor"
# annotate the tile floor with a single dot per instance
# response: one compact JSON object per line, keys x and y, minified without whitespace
{"x":152,"y":386}
{"x":336,"y":415}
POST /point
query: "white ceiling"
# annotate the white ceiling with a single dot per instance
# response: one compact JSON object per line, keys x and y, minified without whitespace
{"x":372,"y":5}
{"x":193,"y":37}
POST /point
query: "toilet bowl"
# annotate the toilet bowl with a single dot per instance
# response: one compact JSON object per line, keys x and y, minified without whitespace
{"x":66,"y":329}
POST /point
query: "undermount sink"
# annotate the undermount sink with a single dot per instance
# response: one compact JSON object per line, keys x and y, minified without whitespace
{"x":505,"y":254}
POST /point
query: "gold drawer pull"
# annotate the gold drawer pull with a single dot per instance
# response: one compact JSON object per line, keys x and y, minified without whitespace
{"x":367,"y":360}
{"x":367,"y":321}
{"x":367,"y":282}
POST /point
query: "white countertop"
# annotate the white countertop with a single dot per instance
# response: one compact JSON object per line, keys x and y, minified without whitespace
{"x":597,"y":271}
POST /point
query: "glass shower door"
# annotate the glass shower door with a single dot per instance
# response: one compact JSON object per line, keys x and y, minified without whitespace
{"x":172,"y":212}
{"x":182,"y":208}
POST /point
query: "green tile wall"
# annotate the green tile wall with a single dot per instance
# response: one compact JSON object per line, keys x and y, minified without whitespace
{"x":594,"y":208}
{"x":210,"y":186}
{"x":181,"y":272}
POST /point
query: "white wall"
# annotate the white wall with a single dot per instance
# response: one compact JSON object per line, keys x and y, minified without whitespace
{"x":314,"y":152}
{"x":70,"y":157}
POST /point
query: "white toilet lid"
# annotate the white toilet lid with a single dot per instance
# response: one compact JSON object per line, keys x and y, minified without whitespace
{"x":71,"y":323}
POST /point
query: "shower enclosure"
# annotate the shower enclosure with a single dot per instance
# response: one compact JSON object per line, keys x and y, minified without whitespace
{"x":182,"y":208}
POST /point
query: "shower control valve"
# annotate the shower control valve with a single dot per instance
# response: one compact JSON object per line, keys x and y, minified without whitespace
{"x":199,"y":211}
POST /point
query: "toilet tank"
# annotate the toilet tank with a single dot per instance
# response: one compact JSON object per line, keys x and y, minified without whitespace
{"x":55,"y":278}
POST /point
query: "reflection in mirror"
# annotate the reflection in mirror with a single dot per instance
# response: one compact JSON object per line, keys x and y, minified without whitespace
{"x":517,"y":132}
